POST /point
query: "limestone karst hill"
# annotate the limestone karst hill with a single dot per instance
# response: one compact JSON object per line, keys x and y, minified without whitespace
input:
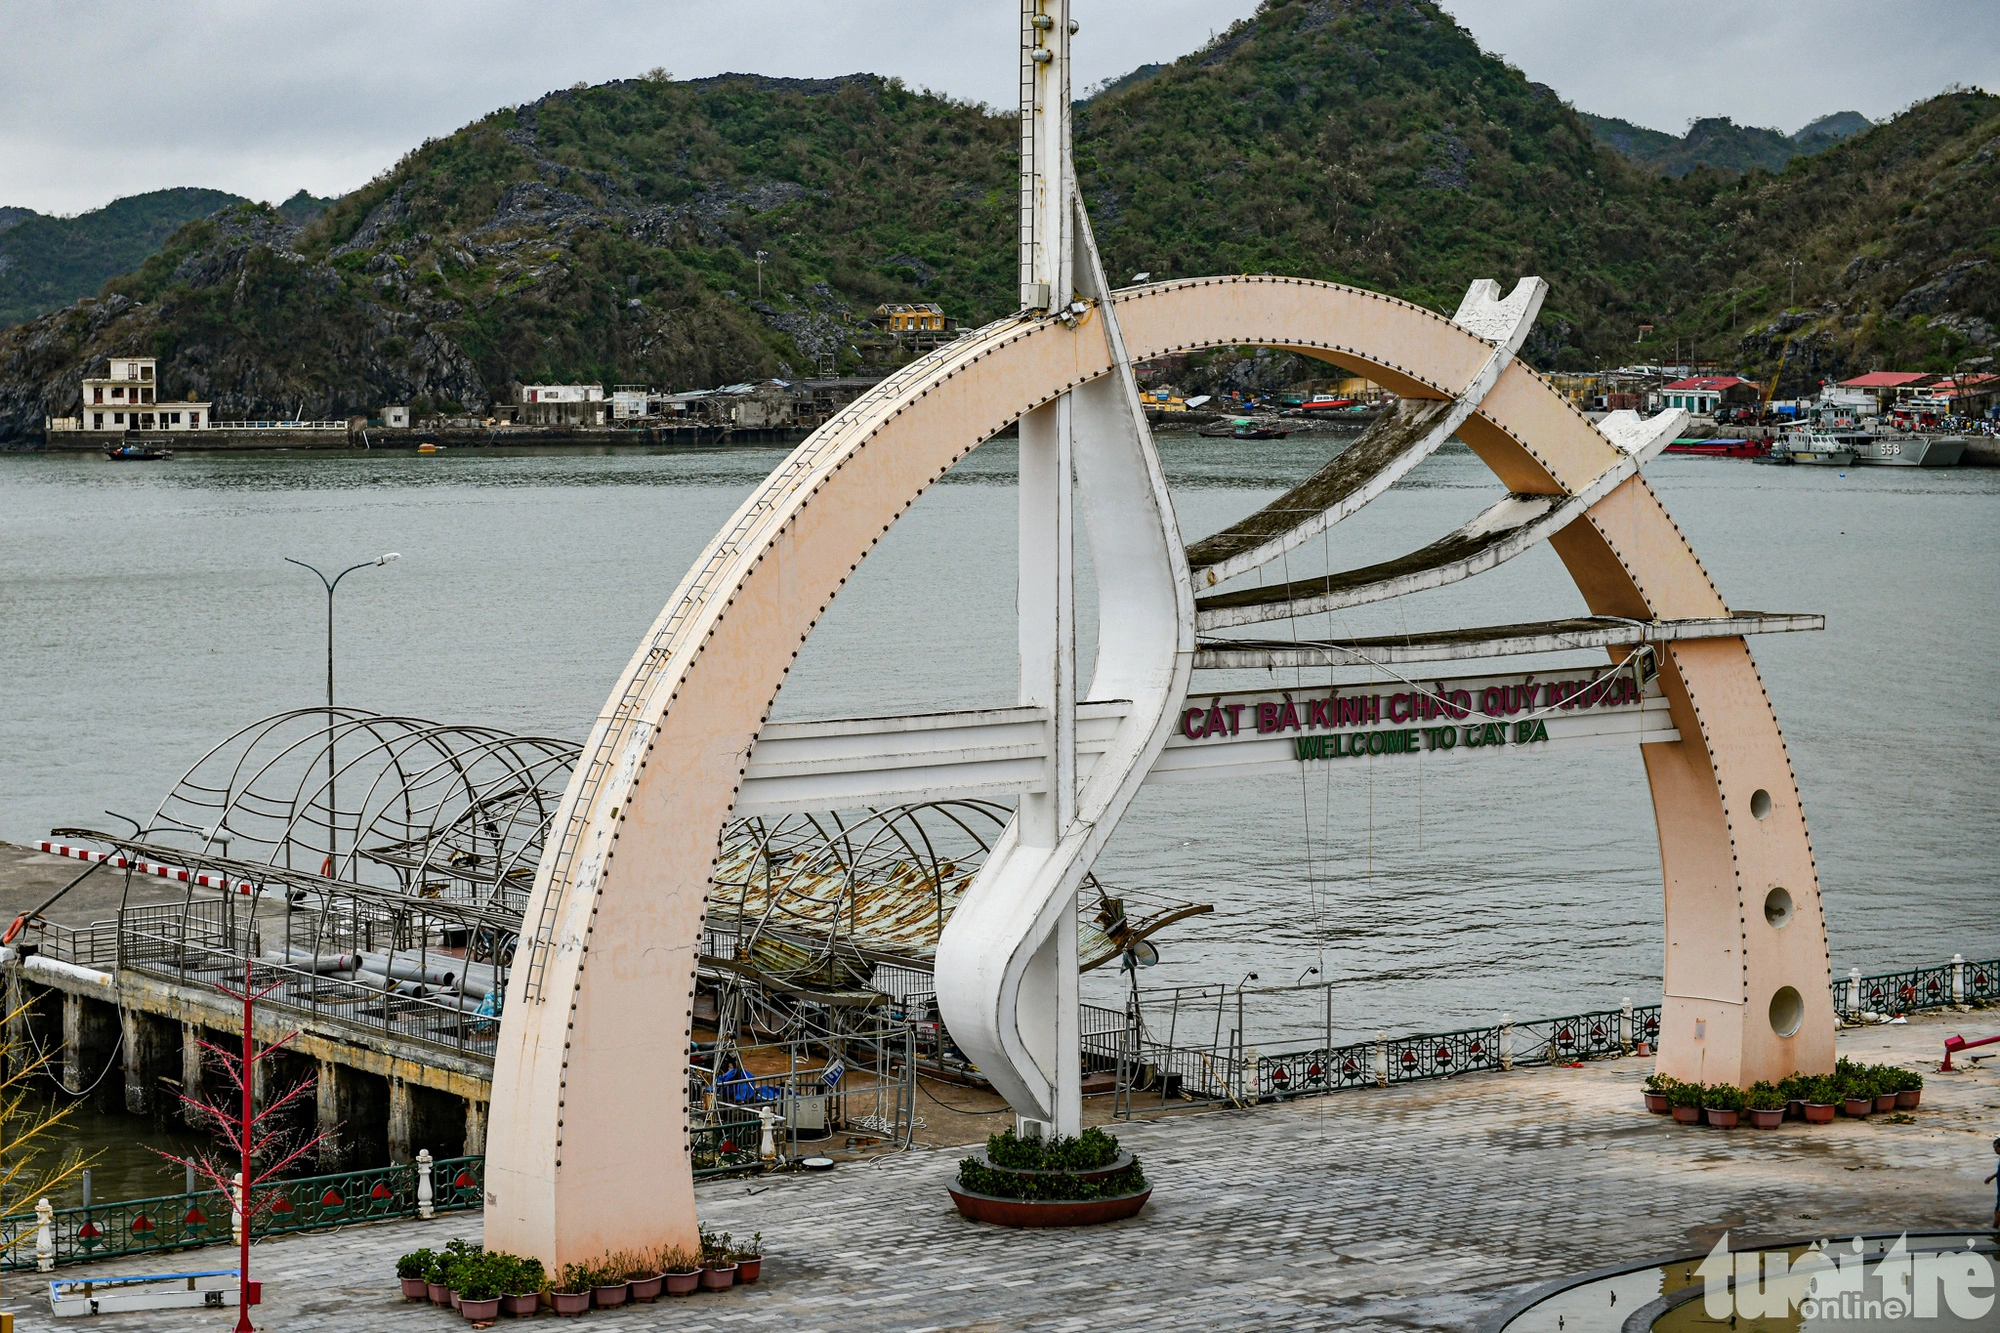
{"x":610,"y":233}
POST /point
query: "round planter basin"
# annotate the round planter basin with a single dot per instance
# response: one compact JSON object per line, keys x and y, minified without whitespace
{"x":615,"y":1294}
{"x":1767,"y":1119}
{"x":1858,"y":1107}
{"x":1907,"y":1099}
{"x":1687,"y":1115}
{"x":1047,"y":1213}
{"x":718,"y":1278}
{"x":521,"y":1305}
{"x":1119,"y":1163}
{"x":1886,"y":1102}
{"x":570,"y":1302}
{"x":648,"y":1288}
{"x":1820,"y":1113}
{"x":438,"y":1292}
{"x":1657,"y":1103}
{"x":1720,"y":1118}
{"x":749,"y":1270}
{"x":480,"y":1312}
{"x":683,"y":1284}
{"x":1795,"y":1109}
{"x":415,"y":1289}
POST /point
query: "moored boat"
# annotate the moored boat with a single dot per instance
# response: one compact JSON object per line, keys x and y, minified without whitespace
{"x":136,"y":453}
{"x":1721,"y":448}
{"x":1902,"y":449}
{"x":1816,"y":448}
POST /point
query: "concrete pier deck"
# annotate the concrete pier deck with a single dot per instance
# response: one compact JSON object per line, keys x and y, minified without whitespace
{"x":1422,"y":1206}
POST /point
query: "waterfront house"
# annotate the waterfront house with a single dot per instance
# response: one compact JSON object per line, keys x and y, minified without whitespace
{"x":560,"y":404}
{"x":1886,"y":386}
{"x":126,"y":400}
{"x":1705,"y":393}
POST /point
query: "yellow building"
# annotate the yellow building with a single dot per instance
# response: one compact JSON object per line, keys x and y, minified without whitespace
{"x":923,"y":317}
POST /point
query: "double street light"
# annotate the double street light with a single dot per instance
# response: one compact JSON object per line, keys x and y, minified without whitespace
{"x":332,"y":819}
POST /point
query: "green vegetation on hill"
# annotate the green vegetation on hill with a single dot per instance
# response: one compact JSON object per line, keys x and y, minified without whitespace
{"x":48,"y":262}
{"x":1719,"y":142}
{"x":611,"y":233}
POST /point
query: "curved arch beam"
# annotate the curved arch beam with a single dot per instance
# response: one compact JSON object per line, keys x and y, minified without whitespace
{"x":586,"y":1147}
{"x":1496,"y":535}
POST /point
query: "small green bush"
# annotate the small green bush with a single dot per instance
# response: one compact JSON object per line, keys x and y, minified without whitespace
{"x":1686,"y":1094}
{"x":416,"y":1264}
{"x":575,"y":1279}
{"x":1723,"y":1097}
{"x":1764,"y":1097}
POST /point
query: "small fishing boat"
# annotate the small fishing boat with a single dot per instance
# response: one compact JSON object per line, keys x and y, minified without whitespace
{"x":1721,"y":448}
{"x":1243,"y":428}
{"x":136,"y":453}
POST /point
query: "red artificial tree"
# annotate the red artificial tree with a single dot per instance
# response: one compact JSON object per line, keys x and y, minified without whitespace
{"x":244,"y":1129}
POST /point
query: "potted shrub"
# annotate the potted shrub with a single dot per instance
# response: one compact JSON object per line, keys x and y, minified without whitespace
{"x":1686,"y":1101}
{"x":1909,"y":1089}
{"x":1857,"y":1098}
{"x":1882,"y":1082}
{"x":1793,"y":1089}
{"x":459,"y":1258}
{"x":717,"y":1270}
{"x":1822,"y":1099}
{"x":521,"y":1284}
{"x":1766,"y":1106}
{"x":608,"y":1286}
{"x":436,"y":1285}
{"x":570,"y":1293}
{"x":1658,"y":1088}
{"x":412,"y":1270}
{"x":1723,"y":1105}
{"x":682,"y":1270}
{"x":478,"y":1285}
{"x":642,"y":1274}
{"x":749,"y":1260}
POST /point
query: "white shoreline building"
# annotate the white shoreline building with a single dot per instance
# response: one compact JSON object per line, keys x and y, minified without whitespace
{"x":124,"y":401}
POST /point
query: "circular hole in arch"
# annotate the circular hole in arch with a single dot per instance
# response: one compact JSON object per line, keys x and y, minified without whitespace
{"x":1760,"y":803}
{"x":1778,"y":908}
{"x":1788,"y":1011}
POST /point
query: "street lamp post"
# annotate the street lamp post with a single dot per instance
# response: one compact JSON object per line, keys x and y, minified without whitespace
{"x":332,"y":819}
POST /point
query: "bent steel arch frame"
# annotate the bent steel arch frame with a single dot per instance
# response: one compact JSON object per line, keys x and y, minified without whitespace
{"x":587,"y":1123}
{"x":587,"y":1142}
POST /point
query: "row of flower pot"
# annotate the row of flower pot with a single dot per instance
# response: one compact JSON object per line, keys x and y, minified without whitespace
{"x":1852,"y":1089}
{"x":484,"y":1285}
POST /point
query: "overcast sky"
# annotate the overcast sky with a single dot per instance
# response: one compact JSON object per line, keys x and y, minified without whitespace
{"x":105,"y":98}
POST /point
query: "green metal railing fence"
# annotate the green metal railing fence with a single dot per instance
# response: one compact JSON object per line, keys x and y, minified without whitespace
{"x":171,"y":1222}
{"x":183,"y":1221}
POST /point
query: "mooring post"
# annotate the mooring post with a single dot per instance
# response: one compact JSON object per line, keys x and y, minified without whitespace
{"x":72,"y":1043}
{"x":1506,"y":1041}
{"x":191,"y":1081}
{"x":401,"y":1114}
{"x":1381,"y":1059}
{"x":1958,"y":978}
{"x":45,"y":1237}
{"x":426,"y":1194}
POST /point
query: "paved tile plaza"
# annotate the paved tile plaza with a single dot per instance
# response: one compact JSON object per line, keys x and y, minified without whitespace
{"x":1425,"y":1206}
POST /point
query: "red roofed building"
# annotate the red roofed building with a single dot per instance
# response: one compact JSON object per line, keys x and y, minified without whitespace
{"x":1888,"y":385}
{"x":1705,"y":393}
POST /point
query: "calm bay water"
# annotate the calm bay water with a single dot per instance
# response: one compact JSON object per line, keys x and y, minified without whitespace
{"x":146,"y":612}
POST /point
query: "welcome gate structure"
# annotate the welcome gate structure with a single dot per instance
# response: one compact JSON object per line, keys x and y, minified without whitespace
{"x":587,"y":1097}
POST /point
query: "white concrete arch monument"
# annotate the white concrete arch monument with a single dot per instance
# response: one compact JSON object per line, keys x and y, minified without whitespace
{"x":586,"y":1144}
